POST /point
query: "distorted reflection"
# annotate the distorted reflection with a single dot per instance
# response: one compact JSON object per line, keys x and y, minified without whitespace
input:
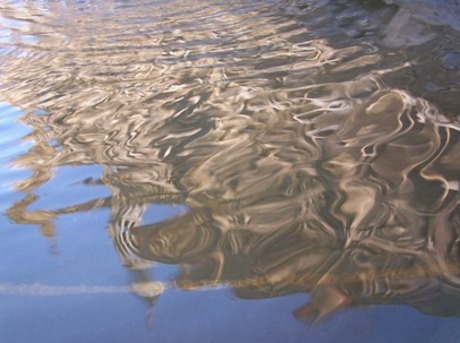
{"x":310,"y":158}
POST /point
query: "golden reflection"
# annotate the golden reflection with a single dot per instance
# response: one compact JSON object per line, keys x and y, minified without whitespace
{"x":305,"y":162}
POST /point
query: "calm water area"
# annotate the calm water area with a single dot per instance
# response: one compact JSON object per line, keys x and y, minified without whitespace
{"x":230,"y":171}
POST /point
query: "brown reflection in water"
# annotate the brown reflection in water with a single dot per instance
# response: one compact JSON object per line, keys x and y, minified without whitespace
{"x":303,"y":165}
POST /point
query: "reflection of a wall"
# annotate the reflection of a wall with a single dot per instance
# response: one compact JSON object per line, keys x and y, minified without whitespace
{"x":348,"y":190}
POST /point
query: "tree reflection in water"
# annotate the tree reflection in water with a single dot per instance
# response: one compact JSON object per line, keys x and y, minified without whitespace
{"x":305,"y":164}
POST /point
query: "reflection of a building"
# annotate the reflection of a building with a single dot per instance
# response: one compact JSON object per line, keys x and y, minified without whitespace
{"x":294,"y":182}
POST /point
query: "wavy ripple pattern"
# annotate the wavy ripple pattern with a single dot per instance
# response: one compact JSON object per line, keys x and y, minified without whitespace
{"x":313,"y":151}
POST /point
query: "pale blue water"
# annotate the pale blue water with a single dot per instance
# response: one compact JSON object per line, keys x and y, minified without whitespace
{"x":267,"y":150}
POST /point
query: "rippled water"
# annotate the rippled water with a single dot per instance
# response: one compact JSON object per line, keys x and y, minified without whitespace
{"x":304,"y":153}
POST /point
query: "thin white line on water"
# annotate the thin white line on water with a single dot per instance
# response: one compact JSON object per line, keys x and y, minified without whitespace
{"x":144,"y":289}
{"x":11,"y":289}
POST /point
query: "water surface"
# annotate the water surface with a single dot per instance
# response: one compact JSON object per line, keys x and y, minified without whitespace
{"x":189,"y":171}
